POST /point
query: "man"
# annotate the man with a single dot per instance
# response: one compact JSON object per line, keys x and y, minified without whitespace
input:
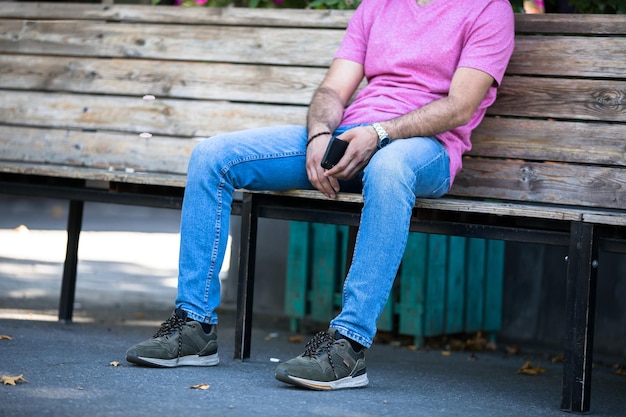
{"x":432,"y":68}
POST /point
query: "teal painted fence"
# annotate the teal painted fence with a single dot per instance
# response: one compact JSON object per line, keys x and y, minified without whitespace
{"x":445,"y":284}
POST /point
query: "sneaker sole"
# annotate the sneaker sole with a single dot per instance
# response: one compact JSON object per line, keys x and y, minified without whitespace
{"x":190,"y":360}
{"x":343,"y":383}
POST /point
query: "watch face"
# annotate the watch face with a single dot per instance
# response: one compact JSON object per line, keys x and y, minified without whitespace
{"x":383,"y":142}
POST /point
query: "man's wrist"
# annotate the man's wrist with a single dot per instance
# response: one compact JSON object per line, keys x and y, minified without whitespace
{"x":383,"y":136}
{"x":316,"y":135}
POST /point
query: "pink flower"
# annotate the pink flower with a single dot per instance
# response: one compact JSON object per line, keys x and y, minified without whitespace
{"x":200,"y":2}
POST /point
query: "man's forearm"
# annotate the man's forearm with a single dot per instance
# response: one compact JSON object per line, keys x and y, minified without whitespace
{"x":325,"y":112}
{"x":430,"y":120}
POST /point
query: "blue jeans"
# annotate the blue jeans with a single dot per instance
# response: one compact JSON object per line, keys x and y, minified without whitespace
{"x":273,"y":158}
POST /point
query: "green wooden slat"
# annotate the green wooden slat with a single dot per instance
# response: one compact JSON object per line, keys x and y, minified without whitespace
{"x":436,"y":285}
{"x":455,"y":291}
{"x":324,"y":271}
{"x":476,"y":261}
{"x":410,"y":306}
{"x":445,"y":285}
{"x":494,"y":285}
{"x":297,"y":270}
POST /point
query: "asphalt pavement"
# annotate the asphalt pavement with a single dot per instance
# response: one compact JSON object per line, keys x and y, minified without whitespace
{"x":79,"y":369}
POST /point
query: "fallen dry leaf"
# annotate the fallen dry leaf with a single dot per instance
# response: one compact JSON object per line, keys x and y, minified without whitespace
{"x":529,"y":369}
{"x":5,"y":337}
{"x":12,"y":380}
{"x":558,"y":358}
{"x":446,"y":353}
{"x":115,"y":363}
{"x":618,"y":370}
{"x":512,"y":350}
{"x":492,"y":346}
{"x":295,"y":339}
{"x":201,"y":386}
{"x":476,"y":343}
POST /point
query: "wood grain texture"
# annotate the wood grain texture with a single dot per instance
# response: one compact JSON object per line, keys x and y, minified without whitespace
{"x":170,"y":117}
{"x":258,"y":45}
{"x":232,"y":16}
{"x":73,"y":78}
{"x":163,"y":79}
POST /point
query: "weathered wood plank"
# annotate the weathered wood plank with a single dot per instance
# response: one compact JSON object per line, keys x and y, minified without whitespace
{"x":569,"y":56}
{"x":555,"y":184}
{"x":609,"y":218}
{"x":500,"y":208}
{"x":108,"y":151}
{"x":172,"y":15}
{"x":163,"y":79}
{"x":258,"y":45}
{"x":572,"y":24}
{"x":92,"y":174}
{"x":546,"y":23}
{"x":561,"y":98}
{"x":548,"y":140}
{"x":552,"y":183}
{"x":167,"y":117}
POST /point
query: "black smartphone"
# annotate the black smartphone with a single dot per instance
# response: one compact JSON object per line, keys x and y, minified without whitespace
{"x":335,"y":150}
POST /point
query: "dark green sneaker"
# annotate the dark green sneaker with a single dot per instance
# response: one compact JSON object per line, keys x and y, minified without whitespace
{"x":178,"y":342}
{"x":328,"y":362}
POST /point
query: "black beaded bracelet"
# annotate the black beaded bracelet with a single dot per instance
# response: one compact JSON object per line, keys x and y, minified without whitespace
{"x":315,"y":136}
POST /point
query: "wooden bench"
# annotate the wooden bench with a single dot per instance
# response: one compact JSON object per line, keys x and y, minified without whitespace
{"x":104,"y":103}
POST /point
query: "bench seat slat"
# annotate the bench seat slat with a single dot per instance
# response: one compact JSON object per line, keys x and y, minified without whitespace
{"x":95,"y":174}
{"x":498,"y":208}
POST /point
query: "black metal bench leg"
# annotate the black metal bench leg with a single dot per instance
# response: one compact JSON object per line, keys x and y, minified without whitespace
{"x":68,"y":285}
{"x":245,"y":289}
{"x":580,"y":303}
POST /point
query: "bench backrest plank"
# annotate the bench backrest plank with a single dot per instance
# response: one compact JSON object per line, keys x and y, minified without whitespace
{"x":75,"y":76}
{"x":136,"y":77}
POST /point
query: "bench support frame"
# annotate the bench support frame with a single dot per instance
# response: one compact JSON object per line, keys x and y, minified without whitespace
{"x":584,"y":241}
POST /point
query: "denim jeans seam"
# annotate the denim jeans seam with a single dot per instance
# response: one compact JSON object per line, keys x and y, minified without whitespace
{"x":215,"y":247}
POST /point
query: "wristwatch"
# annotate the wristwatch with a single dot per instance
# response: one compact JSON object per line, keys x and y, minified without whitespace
{"x":383,"y":136}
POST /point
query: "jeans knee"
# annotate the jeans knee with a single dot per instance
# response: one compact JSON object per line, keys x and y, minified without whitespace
{"x":207,"y":155}
{"x":389,"y":175}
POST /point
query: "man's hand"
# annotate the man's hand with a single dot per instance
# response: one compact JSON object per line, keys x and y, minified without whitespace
{"x":361,"y":146}
{"x":362,"y":142}
{"x":315,"y":152}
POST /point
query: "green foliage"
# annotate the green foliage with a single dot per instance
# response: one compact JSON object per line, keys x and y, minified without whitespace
{"x":599,"y":6}
{"x":334,"y":4}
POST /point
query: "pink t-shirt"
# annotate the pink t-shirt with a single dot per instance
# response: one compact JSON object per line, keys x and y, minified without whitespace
{"x":410,"y":54}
